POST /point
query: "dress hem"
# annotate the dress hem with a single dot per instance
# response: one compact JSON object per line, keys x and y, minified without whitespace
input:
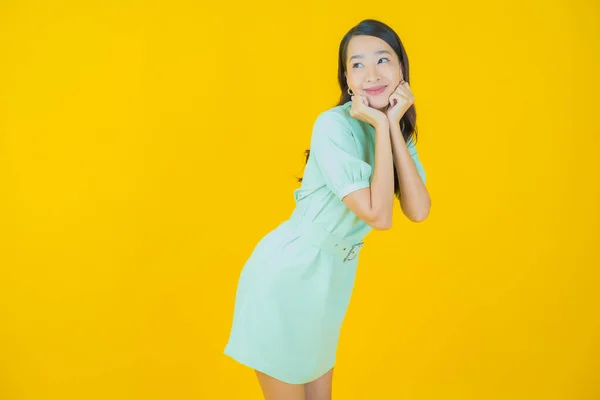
{"x":265,"y":370}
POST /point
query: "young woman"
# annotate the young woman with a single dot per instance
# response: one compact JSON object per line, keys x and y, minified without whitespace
{"x":294,"y":289}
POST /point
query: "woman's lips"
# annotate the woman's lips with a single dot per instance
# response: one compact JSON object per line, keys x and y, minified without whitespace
{"x":375,"y":92}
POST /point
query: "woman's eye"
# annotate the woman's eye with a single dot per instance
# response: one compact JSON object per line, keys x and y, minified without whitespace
{"x":384,"y":58}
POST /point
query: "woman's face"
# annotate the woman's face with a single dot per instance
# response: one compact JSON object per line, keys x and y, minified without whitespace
{"x":371,"y":63}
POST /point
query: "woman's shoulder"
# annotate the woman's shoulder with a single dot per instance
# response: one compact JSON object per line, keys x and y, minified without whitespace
{"x":340,"y":116}
{"x":333,"y":122}
{"x":342,"y":110}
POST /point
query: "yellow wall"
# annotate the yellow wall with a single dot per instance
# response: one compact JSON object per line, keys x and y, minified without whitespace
{"x":146,"y":147}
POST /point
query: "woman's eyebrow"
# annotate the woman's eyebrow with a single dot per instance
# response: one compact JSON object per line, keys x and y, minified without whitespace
{"x":376,"y":53}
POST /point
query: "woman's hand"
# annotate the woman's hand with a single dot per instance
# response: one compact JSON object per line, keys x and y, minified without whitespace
{"x":360,"y":110}
{"x":400,"y":101}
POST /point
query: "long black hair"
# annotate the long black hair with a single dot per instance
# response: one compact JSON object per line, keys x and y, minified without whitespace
{"x":371,"y":27}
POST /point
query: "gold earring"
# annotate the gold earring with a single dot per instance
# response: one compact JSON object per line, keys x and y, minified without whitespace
{"x":351,"y":94}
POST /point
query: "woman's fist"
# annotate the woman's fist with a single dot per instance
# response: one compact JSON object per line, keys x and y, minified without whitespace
{"x":361,"y":110}
{"x":399,"y":101}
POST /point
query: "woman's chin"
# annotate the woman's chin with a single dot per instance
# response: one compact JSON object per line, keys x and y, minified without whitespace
{"x":377,"y":103}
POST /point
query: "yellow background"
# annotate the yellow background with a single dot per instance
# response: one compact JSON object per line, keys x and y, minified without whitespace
{"x":146,"y":147}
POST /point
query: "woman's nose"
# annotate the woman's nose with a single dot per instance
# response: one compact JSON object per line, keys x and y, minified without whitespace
{"x":372,"y":76}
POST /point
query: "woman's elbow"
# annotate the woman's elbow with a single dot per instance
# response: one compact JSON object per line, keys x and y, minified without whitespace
{"x":381,"y":224}
{"x":418,"y":217}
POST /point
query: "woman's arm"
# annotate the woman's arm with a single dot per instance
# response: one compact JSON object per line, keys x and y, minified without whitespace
{"x":374,"y":204}
{"x":414,"y":197}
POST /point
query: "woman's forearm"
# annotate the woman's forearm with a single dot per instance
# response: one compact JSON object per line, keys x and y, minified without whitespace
{"x":414,"y":199}
{"x":382,"y":182}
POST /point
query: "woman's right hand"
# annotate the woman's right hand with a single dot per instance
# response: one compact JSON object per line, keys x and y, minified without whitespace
{"x":360,"y":110}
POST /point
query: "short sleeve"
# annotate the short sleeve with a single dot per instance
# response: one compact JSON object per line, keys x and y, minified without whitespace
{"x":336,"y":154}
{"x":412,"y":150}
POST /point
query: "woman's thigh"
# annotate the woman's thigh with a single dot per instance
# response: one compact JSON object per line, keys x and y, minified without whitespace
{"x":274,"y":389}
{"x":320,"y":388}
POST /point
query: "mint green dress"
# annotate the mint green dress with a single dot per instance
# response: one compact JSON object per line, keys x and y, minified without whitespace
{"x":292,"y":296}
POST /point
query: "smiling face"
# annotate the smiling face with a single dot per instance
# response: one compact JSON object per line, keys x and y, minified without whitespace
{"x":371,"y":63}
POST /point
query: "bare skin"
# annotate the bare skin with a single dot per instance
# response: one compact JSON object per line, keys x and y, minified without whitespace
{"x":274,"y":389}
{"x":320,"y":388}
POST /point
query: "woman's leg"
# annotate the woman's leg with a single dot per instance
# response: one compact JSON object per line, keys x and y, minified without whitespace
{"x":320,"y":388}
{"x":274,"y":389}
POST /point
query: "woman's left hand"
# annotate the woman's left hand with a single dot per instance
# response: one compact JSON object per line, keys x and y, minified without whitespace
{"x":399,"y":101}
